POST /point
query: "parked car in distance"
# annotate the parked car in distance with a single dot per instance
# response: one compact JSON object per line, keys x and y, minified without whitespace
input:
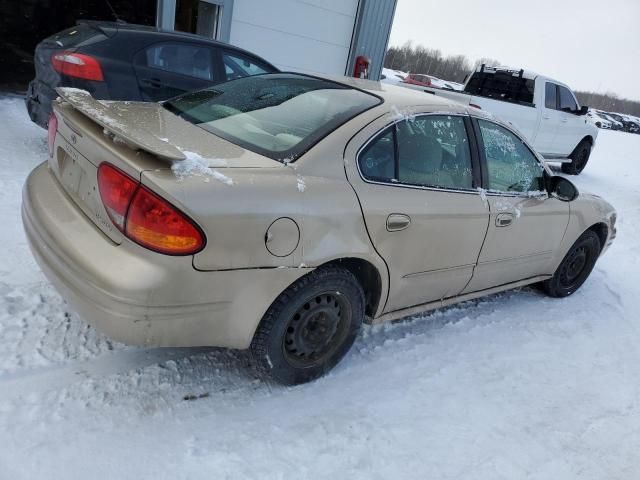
{"x":615,"y":123}
{"x":597,"y":120}
{"x":278,"y":212}
{"x":544,"y":110}
{"x":626,"y":124}
{"x":632,"y":123}
{"x":418,"y":79}
{"x":115,"y":61}
{"x":392,"y":76}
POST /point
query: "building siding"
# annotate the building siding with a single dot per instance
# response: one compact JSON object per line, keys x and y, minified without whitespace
{"x":375,"y":18}
{"x":304,"y":35}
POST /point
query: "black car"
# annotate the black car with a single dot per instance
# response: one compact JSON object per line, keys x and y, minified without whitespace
{"x":115,"y":61}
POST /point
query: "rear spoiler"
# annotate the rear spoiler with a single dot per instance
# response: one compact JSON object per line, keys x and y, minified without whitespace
{"x":107,"y":118}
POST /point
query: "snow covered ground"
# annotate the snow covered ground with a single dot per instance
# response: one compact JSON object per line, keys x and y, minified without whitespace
{"x":513,"y":386}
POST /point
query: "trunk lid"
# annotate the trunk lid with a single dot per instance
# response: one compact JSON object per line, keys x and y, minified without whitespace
{"x":134,"y":137}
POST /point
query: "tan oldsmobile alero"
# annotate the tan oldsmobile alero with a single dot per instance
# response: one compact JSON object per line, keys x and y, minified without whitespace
{"x":279,"y":211}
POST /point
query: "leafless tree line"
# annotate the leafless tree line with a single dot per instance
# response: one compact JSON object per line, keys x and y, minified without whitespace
{"x":609,"y":102}
{"x":419,"y":59}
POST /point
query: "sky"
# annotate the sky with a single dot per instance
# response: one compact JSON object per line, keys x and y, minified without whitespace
{"x":590,"y":44}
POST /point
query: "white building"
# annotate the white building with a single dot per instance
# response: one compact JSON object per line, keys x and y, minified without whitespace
{"x":314,"y":36}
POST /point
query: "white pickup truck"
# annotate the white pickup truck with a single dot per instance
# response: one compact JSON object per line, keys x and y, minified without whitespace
{"x":544,"y":110}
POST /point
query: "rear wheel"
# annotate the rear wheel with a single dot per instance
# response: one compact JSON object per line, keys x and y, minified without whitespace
{"x":579,"y":158}
{"x":575,"y":267}
{"x":310,"y":326}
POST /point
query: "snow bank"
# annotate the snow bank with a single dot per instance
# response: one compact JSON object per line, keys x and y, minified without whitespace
{"x":513,"y":386}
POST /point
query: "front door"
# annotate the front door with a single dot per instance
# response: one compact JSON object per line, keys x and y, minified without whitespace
{"x":572,"y":125}
{"x":424,"y":214}
{"x":526,"y":225}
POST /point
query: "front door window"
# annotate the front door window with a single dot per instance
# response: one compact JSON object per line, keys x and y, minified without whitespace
{"x":511,"y":166}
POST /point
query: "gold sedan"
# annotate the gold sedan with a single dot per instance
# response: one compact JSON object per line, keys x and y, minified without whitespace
{"x":279,"y":212}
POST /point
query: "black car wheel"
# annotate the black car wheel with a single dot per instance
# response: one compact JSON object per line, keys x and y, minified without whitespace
{"x":575,"y":267}
{"x":579,"y":158}
{"x":310,"y":326}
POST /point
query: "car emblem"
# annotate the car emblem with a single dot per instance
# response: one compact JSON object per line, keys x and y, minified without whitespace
{"x":74,"y":139}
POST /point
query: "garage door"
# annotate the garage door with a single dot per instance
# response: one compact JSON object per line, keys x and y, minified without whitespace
{"x":304,"y":35}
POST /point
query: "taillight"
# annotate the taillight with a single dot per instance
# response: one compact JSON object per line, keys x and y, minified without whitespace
{"x":154,"y":223}
{"x":52,"y":130}
{"x":77,"y":65}
{"x":116,"y":190}
{"x":146,"y":218}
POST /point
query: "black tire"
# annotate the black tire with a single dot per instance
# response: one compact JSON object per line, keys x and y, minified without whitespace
{"x":575,"y":266}
{"x":310,"y":327}
{"x":579,"y":158}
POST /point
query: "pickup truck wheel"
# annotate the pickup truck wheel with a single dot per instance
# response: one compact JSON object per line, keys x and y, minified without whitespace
{"x":310,"y":326}
{"x":579,"y":158}
{"x":575,"y":266}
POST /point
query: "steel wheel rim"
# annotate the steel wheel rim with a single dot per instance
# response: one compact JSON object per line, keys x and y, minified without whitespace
{"x":574,"y":266}
{"x":316,"y":330}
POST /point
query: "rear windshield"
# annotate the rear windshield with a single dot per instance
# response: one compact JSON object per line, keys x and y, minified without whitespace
{"x":277,"y":115}
{"x":505,"y":86}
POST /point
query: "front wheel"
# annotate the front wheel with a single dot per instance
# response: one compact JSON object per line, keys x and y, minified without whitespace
{"x":579,"y":158}
{"x":575,"y":266}
{"x":310,"y":326}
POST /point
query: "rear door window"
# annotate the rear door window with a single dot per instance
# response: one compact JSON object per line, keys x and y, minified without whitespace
{"x":238,"y":66}
{"x":550,"y":95}
{"x":185,"y":59}
{"x":377,"y":160}
{"x":432,"y":151}
{"x":567,"y":102}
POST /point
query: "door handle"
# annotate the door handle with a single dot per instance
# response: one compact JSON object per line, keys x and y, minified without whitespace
{"x":397,"y":222}
{"x":504,"y":219}
{"x":546,"y":117}
{"x":152,"y":82}
{"x":563,"y":120}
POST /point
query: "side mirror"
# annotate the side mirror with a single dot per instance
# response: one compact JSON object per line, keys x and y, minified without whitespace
{"x":561,"y":188}
{"x":583,"y":110}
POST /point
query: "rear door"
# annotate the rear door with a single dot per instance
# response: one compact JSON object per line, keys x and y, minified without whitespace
{"x":526,"y":225}
{"x":416,"y":185}
{"x":550,"y":120}
{"x":167,"y":69}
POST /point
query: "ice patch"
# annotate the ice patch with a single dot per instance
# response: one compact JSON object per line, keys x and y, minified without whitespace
{"x":302,"y":186}
{"x":196,"y":165}
{"x":404,"y":114}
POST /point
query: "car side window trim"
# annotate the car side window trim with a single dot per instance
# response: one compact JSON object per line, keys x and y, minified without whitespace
{"x":484,"y":166}
{"x":473,"y":147}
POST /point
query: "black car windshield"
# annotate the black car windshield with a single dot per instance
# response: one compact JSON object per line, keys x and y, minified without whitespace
{"x":277,"y":115}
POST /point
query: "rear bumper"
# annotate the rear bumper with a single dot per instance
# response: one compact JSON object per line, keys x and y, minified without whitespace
{"x":38,"y":101}
{"x":137,"y":296}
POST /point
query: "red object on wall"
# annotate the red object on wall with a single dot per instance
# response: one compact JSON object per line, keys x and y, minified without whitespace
{"x":361,"y":68}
